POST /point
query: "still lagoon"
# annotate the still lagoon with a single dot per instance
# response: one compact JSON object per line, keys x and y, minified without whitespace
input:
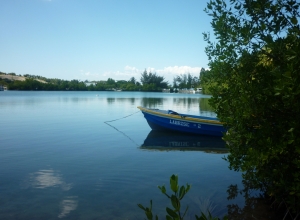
{"x":92,"y":155}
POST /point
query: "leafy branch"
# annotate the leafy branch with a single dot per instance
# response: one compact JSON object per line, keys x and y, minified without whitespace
{"x":177,"y":195}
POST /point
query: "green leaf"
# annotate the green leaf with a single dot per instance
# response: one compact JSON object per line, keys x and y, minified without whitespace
{"x":175,"y":202}
{"x":202,"y":217}
{"x":168,"y":217}
{"x":162,"y":189}
{"x":151,"y":204}
{"x":188,"y":187}
{"x":172,"y":213}
{"x":149,"y":214}
{"x":174,"y":183}
{"x":294,"y":20}
{"x":181,"y":192}
{"x":142,"y":207}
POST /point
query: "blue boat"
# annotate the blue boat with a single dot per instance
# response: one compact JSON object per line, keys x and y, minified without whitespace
{"x":171,"y":120}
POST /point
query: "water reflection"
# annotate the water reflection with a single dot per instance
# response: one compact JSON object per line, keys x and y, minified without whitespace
{"x":151,"y":102}
{"x":69,"y":204}
{"x":204,"y":105}
{"x":205,"y":108}
{"x":164,"y":140}
{"x":257,"y":206}
{"x":131,"y":100}
{"x":206,"y":205}
{"x":75,"y":99}
{"x":185,"y":102}
{"x":110,"y":100}
{"x":122,"y":100}
{"x":47,"y":178}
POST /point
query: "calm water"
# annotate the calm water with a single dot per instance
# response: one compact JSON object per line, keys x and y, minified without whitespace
{"x":59,"y":160}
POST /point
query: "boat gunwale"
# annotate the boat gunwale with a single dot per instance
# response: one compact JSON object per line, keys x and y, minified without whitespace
{"x":186,"y":118}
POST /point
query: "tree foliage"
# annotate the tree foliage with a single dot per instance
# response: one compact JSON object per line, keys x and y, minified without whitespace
{"x":185,"y":81}
{"x":205,"y":81}
{"x":255,"y":76}
{"x":152,"y":82}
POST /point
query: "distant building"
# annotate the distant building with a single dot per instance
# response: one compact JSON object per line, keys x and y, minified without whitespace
{"x":166,"y":90}
{"x":187,"y":91}
{"x":90,"y":83}
{"x":198,"y":90}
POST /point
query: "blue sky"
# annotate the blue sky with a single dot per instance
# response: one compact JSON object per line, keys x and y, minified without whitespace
{"x":101,"y":39}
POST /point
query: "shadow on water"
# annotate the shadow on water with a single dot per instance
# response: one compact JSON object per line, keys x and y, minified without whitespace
{"x":166,"y":141}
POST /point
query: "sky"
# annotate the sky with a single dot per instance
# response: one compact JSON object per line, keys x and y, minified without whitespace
{"x":101,"y":39}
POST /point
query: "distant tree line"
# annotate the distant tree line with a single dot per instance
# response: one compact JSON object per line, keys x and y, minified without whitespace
{"x":148,"y":82}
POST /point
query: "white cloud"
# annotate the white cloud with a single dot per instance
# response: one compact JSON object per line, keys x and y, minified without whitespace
{"x":177,"y":70}
{"x":170,"y":72}
{"x":130,"y":71}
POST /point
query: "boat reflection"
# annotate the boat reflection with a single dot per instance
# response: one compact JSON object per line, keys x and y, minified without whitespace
{"x":166,"y":141}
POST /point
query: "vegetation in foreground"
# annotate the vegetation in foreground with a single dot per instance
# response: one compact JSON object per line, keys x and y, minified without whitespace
{"x":254,"y":79}
{"x":175,"y":212}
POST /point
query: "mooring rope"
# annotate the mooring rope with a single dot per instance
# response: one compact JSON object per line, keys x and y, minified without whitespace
{"x":107,"y":122}
{"x":122,"y":117}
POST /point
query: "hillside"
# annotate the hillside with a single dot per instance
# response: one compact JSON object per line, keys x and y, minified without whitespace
{"x":17,"y":78}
